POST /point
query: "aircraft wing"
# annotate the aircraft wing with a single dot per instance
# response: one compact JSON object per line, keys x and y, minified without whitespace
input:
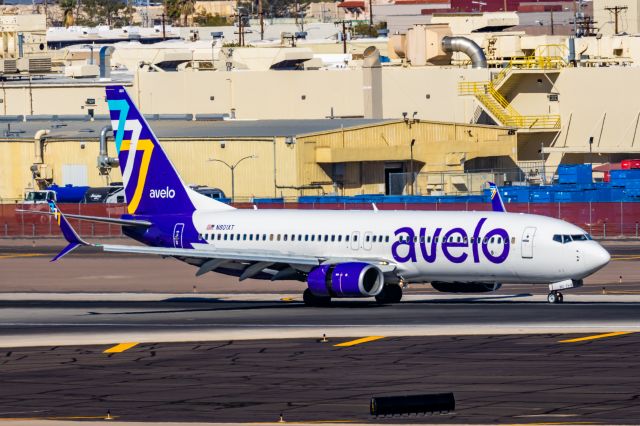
{"x":250,"y":263}
{"x":254,"y":256}
{"x":209,"y":258}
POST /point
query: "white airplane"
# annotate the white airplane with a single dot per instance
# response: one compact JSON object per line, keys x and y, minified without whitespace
{"x":337,"y":253}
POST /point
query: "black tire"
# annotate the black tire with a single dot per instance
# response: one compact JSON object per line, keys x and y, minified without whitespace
{"x":391,"y":293}
{"x":311,"y":299}
{"x":552,"y":297}
{"x":560,"y":298}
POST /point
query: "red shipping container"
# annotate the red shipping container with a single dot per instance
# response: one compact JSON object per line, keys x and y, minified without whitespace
{"x":632,"y":163}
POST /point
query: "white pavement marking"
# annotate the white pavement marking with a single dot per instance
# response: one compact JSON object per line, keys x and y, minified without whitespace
{"x":255,"y":332}
{"x":296,"y":297}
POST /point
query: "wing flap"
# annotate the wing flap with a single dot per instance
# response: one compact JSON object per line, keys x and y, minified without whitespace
{"x":255,"y":256}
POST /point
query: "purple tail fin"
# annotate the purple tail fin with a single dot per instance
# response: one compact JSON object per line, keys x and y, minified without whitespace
{"x":152,"y":184}
{"x":496,"y":200}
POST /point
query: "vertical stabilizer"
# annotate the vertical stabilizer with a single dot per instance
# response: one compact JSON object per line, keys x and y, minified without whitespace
{"x":496,"y":200}
{"x":152,"y":185}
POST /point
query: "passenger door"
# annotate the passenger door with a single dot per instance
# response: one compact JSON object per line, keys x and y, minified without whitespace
{"x":178,"y":230}
{"x":527,"y":242}
{"x":355,"y":240}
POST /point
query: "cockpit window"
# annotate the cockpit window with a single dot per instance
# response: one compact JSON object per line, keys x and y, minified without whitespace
{"x":568,"y":238}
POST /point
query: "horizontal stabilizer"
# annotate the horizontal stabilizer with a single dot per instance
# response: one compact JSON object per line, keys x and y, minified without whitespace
{"x":68,"y":232}
{"x":99,"y":219}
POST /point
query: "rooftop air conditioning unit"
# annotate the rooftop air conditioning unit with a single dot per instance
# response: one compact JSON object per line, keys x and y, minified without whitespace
{"x":8,"y":66}
{"x":35,"y":64}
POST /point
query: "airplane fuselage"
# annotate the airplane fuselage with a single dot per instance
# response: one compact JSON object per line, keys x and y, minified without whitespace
{"x":425,"y":246}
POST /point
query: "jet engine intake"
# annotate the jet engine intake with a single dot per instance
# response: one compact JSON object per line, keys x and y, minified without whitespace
{"x":352,"y":279}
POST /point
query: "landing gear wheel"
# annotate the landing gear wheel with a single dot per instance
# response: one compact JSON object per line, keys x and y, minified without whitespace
{"x":390,"y":293}
{"x":555,"y":297}
{"x":311,"y":299}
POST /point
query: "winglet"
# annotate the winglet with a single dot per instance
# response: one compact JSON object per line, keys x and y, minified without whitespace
{"x":496,"y":199}
{"x":68,"y":232}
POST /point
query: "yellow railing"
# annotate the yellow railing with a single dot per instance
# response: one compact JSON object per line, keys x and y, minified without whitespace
{"x":546,"y":56}
{"x":502,"y":110}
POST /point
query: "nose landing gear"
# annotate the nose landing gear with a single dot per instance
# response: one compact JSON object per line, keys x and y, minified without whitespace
{"x":555,"y":297}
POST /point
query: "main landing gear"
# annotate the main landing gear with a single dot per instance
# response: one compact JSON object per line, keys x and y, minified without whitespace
{"x":391,"y":293}
{"x":311,"y":299}
{"x":555,"y":297}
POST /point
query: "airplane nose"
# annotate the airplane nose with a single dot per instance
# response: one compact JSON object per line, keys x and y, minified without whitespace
{"x":600,"y":256}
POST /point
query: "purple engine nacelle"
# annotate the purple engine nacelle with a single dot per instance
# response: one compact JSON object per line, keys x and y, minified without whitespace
{"x":354,"y":279}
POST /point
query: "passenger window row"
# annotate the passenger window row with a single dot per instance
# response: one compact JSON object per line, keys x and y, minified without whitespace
{"x":457,"y":239}
{"x":292,"y":237}
{"x":340,"y":238}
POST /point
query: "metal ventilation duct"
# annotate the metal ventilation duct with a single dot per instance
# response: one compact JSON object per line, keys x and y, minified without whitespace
{"x":466,"y":46}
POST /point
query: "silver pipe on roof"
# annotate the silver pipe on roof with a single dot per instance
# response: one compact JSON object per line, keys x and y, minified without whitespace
{"x":38,"y":142}
{"x":466,"y":46}
{"x":105,"y":163}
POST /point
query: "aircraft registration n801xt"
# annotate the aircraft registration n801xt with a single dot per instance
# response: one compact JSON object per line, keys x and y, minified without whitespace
{"x":336,"y":253}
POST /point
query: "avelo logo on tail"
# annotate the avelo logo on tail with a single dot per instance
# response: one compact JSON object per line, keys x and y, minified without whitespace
{"x":162,"y":193}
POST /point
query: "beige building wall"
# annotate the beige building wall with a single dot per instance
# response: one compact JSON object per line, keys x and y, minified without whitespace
{"x":365,"y":151}
{"x":628,"y":20}
{"x":264,"y":95}
{"x":218,"y":7}
{"x":304,"y":166}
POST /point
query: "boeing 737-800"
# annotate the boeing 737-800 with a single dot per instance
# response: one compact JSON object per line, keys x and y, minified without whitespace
{"x":336,"y":253}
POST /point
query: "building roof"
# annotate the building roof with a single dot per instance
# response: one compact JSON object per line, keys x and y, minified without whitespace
{"x":352,"y":4}
{"x":79,"y":127}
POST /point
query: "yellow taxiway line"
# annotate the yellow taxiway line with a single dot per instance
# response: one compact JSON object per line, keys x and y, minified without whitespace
{"x":15,"y":255}
{"x":359,"y":341}
{"x":13,"y":419}
{"x":625,"y":257}
{"x":596,"y":336}
{"x":120,"y":348}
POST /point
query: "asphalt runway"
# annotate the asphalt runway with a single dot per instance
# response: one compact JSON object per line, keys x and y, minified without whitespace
{"x":225,"y":357}
{"x":495,"y":379}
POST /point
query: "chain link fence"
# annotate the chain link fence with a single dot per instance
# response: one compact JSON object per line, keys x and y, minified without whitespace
{"x":464,"y":183}
{"x":602,"y":220}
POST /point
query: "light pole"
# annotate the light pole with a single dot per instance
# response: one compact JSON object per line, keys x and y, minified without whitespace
{"x":233,"y":171}
{"x":413,"y":141}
